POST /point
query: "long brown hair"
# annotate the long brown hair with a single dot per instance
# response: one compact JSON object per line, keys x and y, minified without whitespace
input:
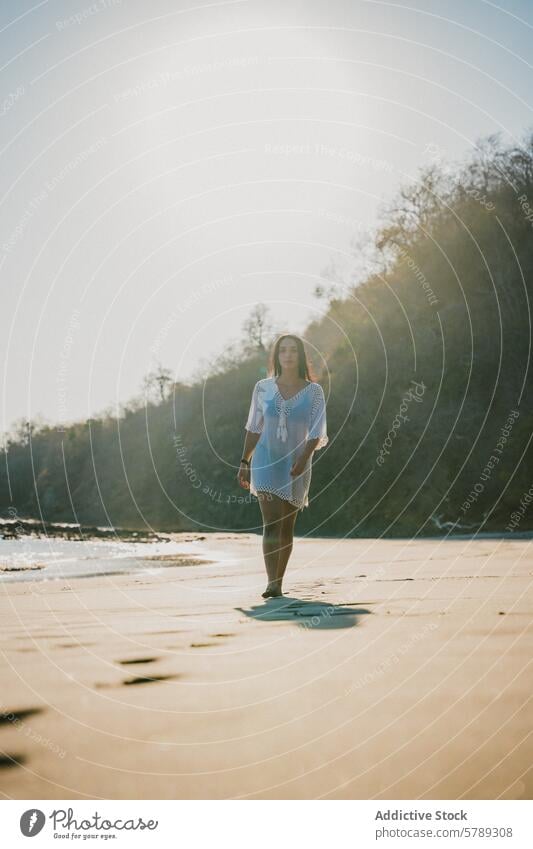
{"x":304,"y":369}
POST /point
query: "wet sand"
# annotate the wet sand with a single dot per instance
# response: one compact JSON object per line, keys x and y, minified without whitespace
{"x":389,"y":670}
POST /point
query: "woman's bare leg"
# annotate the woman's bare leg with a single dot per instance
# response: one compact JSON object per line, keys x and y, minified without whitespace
{"x":288,"y":520}
{"x":271,"y":509}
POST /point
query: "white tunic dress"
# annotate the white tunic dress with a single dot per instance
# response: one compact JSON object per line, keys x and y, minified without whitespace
{"x":285,"y":426}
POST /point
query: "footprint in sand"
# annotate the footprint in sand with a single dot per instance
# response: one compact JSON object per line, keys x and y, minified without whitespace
{"x":147,"y":679}
{"x":138,"y":660}
{"x":139,"y":679}
{"x":7,"y":761}
{"x":221,"y":635}
{"x":15,"y":716}
{"x":201,"y":645}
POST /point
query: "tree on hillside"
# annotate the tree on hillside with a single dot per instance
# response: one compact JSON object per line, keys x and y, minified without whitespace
{"x":157,"y":382}
{"x":257,"y":327}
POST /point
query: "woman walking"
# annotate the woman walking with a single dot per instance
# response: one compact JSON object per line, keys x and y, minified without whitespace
{"x":286,"y":424}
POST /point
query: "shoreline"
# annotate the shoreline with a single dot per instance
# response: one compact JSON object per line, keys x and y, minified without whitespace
{"x":55,"y":558}
{"x":36,"y":528}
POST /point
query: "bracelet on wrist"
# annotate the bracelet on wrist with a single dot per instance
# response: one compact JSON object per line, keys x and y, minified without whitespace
{"x":245,"y":461}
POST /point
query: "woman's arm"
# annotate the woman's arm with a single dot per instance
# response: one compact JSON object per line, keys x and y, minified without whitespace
{"x":308,"y":449}
{"x":253,"y":427}
{"x":250,"y":441}
{"x":300,"y":463}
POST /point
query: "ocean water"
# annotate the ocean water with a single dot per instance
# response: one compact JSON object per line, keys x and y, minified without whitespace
{"x":48,"y":559}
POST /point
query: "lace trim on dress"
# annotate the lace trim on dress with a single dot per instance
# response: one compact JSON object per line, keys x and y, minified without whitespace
{"x":281,"y":494}
{"x":255,"y":422}
{"x":286,"y":400}
{"x":283,"y":410}
{"x":317,"y":401}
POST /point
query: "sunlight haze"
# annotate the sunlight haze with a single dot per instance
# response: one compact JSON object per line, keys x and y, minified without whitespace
{"x":166,"y":168}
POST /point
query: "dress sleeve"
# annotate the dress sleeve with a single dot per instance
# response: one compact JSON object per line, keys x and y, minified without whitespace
{"x":317,"y":423}
{"x":255,"y":416}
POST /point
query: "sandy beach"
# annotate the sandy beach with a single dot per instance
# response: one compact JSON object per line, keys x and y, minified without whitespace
{"x":389,"y":670}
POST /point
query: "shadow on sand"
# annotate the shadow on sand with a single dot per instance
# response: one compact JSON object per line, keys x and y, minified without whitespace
{"x":305,"y":614}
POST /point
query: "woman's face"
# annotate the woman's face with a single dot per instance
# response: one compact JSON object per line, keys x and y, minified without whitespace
{"x":288,"y":353}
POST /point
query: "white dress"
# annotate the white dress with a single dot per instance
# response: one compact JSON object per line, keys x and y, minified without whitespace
{"x":285,"y":426}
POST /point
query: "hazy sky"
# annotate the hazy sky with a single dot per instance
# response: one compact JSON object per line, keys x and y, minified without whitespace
{"x":167,"y":165}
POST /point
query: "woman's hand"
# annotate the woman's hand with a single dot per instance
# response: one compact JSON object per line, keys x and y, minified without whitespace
{"x":243,"y":476}
{"x":298,"y":466}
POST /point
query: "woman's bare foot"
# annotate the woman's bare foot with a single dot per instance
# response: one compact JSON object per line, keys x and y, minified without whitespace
{"x":273,"y":590}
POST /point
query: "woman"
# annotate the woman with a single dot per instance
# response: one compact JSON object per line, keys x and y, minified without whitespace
{"x":286,"y":424}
